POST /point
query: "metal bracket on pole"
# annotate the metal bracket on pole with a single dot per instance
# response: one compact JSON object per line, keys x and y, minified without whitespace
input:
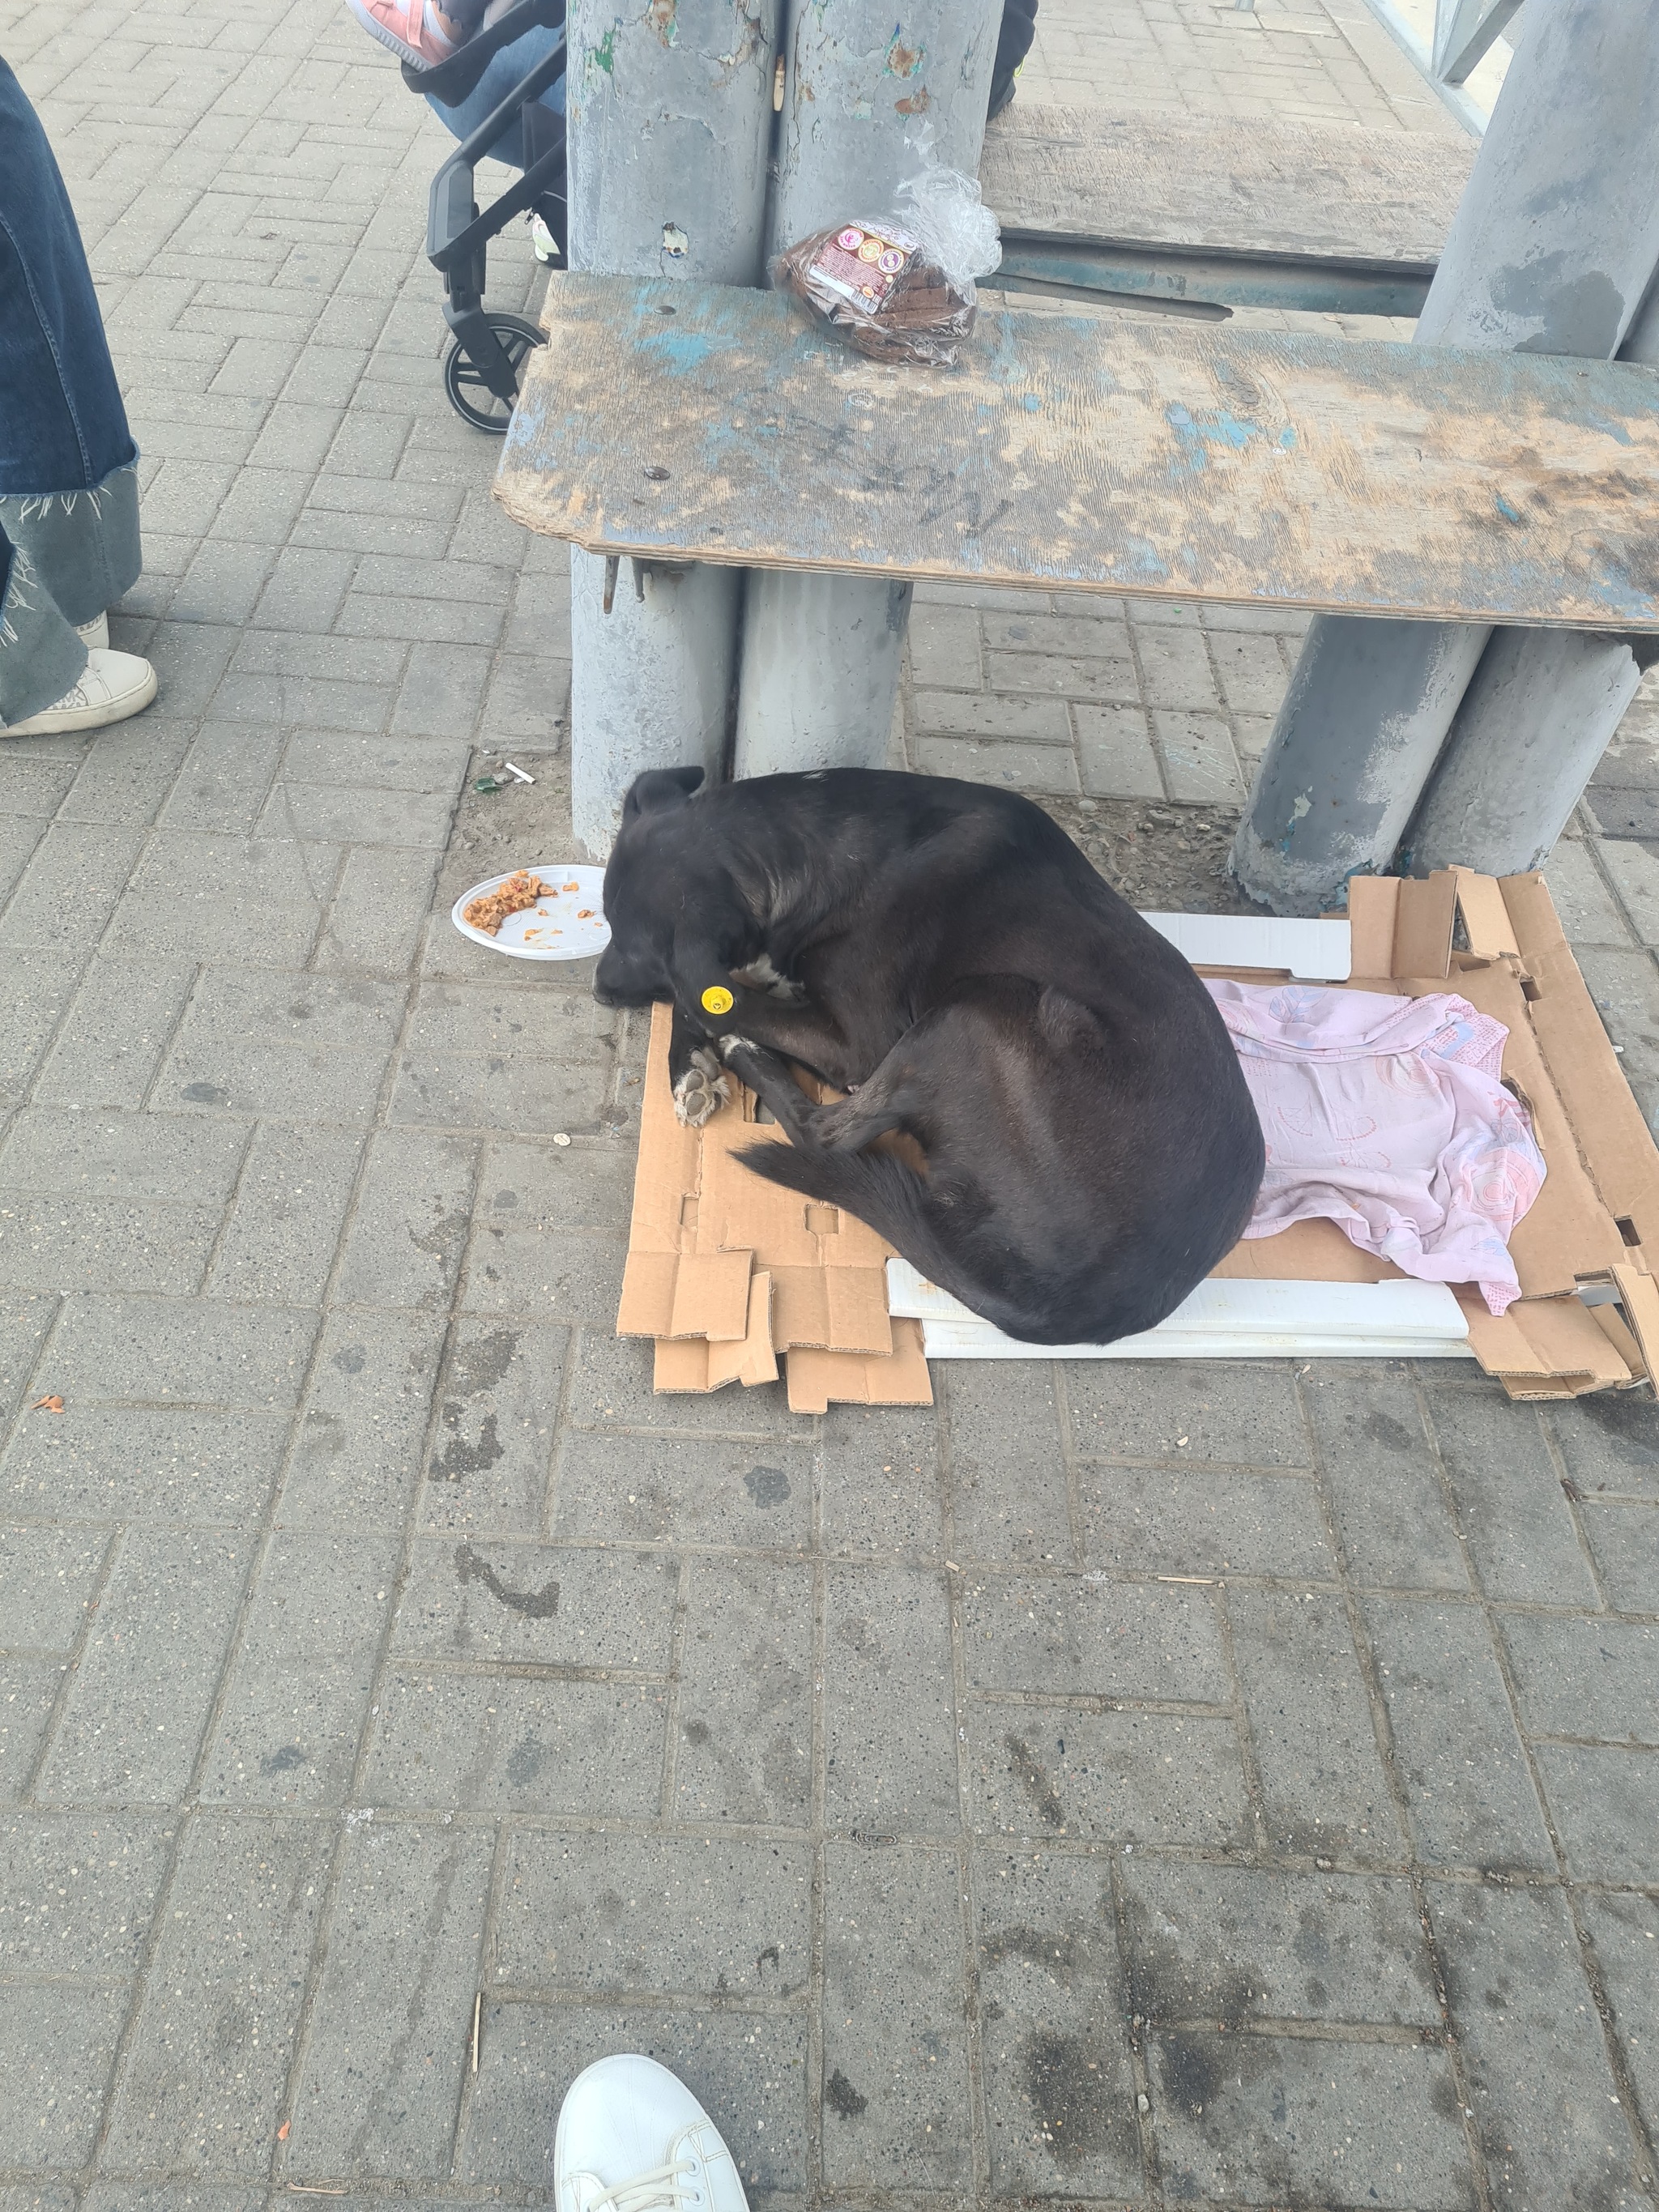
{"x":1463,"y":32}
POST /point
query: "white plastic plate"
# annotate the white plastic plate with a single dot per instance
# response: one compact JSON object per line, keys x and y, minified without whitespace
{"x":567,"y":925}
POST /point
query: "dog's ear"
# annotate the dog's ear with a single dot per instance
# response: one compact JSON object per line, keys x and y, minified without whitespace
{"x":659,"y":787}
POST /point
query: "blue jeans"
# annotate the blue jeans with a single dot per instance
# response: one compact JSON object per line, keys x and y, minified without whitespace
{"x":506,"y":69}
{"x":68,"y":492}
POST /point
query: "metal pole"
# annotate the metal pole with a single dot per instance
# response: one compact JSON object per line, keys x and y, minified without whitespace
{"x":821,"y":655}
{"x":670,"y":121}
{"x":1551,"y":251}
{"x":1533,"y":723}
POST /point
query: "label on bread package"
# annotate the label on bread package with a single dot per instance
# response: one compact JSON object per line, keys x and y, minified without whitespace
{"x":861,"y":266}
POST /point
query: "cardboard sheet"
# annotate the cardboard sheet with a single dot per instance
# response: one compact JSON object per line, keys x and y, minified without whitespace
{"x":730,"y":1274}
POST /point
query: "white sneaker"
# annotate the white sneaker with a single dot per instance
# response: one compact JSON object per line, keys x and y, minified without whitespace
{"x":113,"y":686}
{"x":94,"y":635}
{"x":633,"y":2138}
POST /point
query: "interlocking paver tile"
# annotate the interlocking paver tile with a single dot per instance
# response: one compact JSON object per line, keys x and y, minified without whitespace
{"x":77,"y":1896}
{"x":744,"y":1718}
{"x":57,"y":2053}
{"x":1469,"y":1797}
{"x":1239,"y":1945}
{"x":1544,"y":2096}
{"x":201,"y":2088}
{"x":386,"y":2049}
{"x":295,"y":1701}
{"x":513,"y":1743}
{"x":132,"y":1722}
{"x":891,"y":1718}
{"x":1391,"y":1514}
{"x":895,"y":2051}
{"x":687,"y":1915}
{"x":1258,"y":2117}
{"x":927,"y":1786}
{"x":1059,"y":2091}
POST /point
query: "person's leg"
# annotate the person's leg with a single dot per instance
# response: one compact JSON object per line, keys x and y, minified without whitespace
{"x":503,"y":71}
{"x":50,"y":679}
{"x":68,"y":490}
{"x":1013,"y":44}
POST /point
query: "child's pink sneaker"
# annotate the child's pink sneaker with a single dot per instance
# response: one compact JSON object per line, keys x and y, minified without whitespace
{"x":411,"y":27}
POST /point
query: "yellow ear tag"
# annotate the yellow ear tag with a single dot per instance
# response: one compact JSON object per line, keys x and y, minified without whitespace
{"x":717,"y":999}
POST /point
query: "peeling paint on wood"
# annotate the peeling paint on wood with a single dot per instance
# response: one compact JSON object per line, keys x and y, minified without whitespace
{"x":1333,"y":193}
{"x":1077,"y":452}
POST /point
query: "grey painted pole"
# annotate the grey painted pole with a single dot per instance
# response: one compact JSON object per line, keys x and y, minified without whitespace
{"x":1551,"y":251}
{"x":1533,"y":726}
{"x":671,"y":122}
{"x":821,"y":655}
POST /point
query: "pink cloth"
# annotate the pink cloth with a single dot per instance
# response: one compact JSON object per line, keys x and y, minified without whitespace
{"x":1386,"y":1115}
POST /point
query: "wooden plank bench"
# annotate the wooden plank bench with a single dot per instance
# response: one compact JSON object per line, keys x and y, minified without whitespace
{"x":1222,"y":212}
{"x":679,"y":422}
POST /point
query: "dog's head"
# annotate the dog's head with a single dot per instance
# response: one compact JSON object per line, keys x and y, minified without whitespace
{"x":663,"y":899}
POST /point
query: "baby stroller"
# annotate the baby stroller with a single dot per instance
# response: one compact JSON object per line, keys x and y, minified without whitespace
{"x":481,"y":369}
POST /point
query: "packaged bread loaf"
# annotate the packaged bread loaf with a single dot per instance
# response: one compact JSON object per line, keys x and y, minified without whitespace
{"x":899,"y":287}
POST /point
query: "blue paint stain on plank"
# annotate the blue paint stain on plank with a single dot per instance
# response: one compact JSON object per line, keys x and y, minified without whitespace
{"x":1197,"y":434}
{"x":1510,"y":514}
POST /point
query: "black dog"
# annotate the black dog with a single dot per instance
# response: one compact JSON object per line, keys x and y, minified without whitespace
{"x":944,"y":953}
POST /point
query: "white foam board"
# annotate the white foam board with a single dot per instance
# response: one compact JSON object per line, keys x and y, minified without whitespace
{"x":1312,"y":951}
{"x":1221,"y":1320}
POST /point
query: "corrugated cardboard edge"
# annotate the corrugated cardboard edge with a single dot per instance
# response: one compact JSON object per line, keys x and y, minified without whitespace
{"x":1549,"y":1345}
{"x":900,"y":1379}
{"x":693,"y":1363}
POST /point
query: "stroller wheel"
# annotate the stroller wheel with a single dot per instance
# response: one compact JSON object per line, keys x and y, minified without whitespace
{"x":467,"y":392}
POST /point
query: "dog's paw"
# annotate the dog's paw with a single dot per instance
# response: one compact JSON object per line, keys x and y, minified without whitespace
{"x":761,"y":976}
{"x":701,"y":1091}
{"x":731,"y":1044}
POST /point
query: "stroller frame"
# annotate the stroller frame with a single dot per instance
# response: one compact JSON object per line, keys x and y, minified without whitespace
{"x":458,"y":232}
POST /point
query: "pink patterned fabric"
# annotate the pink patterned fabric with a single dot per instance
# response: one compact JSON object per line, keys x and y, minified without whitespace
{"x":1386,"y":1115}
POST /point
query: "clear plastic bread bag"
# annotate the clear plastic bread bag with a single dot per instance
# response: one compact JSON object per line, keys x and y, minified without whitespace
{"x":901,"y":287}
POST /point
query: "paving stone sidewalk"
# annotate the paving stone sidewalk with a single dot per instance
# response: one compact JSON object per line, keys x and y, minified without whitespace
{"x":1119,"y":1787}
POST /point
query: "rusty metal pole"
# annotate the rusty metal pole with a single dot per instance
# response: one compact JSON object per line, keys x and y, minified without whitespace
{"x":822,"y":653}
{"x":670,"y":113}
{"x":1552,"y":251}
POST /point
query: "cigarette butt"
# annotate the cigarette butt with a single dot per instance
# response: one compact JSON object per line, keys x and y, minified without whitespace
{"x":518,"y":772}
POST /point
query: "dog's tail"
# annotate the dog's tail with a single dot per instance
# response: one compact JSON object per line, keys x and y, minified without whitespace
{"x":895,"y":1201}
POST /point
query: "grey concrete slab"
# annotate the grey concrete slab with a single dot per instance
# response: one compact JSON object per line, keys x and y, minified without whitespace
{"x":132,"y":1722}
{"x":77,"y":1897}
{"x":201,"y":2089}
{"x":295,"y":1700}
{"x":513,"y":1743}
{"x":1253,"y":2117}
{"x":553,"y":1605}
{"x":890,"y":1716}
{"x":1469,"y":1795}
{"x":744,"y":1750}
{"x":1233,"y":1944}
{"x":1312,"y":1732}
{"x":1138,"y":1778}
{"x":57,"y":2053}
{"x":895,"y":2052}
{"x":690,"y":1916}
{"x":1060,"y":2091}
{"x":1544,"y":2098}
{"x":386,"y":2053}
